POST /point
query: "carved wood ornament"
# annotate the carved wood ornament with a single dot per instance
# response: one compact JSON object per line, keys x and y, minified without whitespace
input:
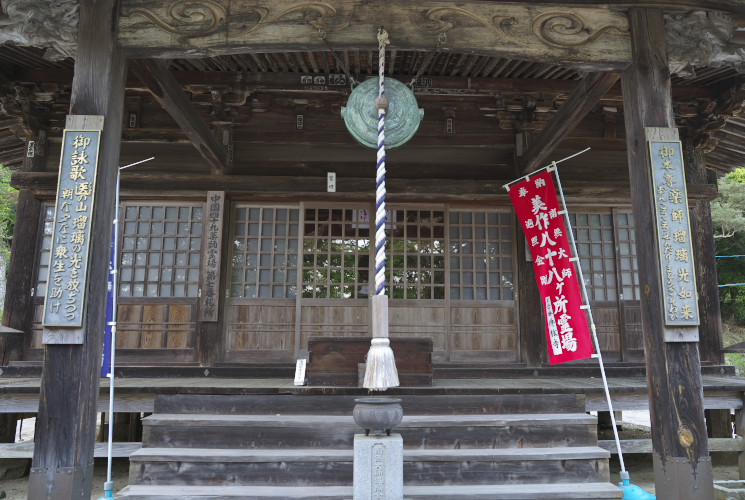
{"x":46,"y":24}
{"x":211,"y":27}
{"x":701,"y":39}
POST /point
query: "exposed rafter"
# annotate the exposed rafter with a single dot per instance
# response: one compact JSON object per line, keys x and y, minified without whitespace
{"x":589,"y":91}
{"x":156,"y":77}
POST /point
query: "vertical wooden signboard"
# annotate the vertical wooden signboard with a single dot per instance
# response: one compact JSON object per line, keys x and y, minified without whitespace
{"x":65,"y":300}
{"x":210,"y":296}
{"x":677,"y":269}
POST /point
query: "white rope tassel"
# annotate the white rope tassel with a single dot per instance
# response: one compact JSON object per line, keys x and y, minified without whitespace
{"x":380,"y":371}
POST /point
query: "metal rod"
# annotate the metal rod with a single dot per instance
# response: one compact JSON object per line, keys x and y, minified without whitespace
{"x":136,"y":163}
{"x":589,"y":310}
{"x":114,"y":292}
{"x":553,"y":164}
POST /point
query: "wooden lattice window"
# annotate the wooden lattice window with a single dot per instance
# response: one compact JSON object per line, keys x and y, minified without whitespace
{"x":336,"y":253}
{"x":45,"y":250}
{"x":597,"y":256}
{"x":416,"y":249}
{"x":480,"y":255}
{"x":265,"y":252}
{"x":628,"y":267}
{"x":161,"y":250}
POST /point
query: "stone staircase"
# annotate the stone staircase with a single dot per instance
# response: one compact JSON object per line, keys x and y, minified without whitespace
{"x":509,"y":447}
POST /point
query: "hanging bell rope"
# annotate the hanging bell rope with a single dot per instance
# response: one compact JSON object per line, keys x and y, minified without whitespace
{"x":380,"y":372}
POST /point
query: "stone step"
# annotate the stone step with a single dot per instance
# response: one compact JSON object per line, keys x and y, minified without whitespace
{"x":337,"y":432}
{"x":566,"y":491}
{"x":325,"y":467}
{"x":329,"y":404}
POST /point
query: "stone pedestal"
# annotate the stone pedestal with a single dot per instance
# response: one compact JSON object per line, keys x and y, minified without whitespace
{"x":378,"y":467}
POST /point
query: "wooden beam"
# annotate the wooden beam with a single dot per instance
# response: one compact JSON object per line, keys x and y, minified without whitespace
{"x":682,"y":465}
{"x":150,"y":29}
{"x":736,"y":6}
{"x":298,"y":186}
{"x":645,"y":445}
{"x":584,"y":98}
{"x":437,"y":85}
{"x":168,"y":92}
{"x":66,"y":424}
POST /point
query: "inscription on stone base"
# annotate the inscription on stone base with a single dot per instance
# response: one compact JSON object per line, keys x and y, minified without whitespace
{"x":378,"y":467}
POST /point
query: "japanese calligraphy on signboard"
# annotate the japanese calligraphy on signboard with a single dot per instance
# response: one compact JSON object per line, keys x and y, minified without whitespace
{"x":64,"y":303}
{"x":537,"y":207}
{"x":674,"y":234}
{"x":211,"y":256}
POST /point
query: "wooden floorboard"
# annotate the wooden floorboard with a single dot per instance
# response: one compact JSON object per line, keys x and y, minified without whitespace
{"x":458,"y":492}
{"x":137,"y":394}
{"x":26,"y":450}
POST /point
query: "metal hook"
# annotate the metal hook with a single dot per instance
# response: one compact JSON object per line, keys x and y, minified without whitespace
{"x":442,"y":39}
{"x":321,"y":34}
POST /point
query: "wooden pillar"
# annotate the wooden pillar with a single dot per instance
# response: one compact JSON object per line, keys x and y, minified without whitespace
{"x":707,"y":281}
{"x":531,"y":323}
{"x":740,"y":431}
{"x":63,"y":453}
{"x":718,"y":423}
{"x":681,"y":458}
{"x":8,"y":425}
{"x":19,"y":299}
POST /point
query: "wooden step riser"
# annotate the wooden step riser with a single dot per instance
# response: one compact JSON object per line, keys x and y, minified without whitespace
{"x":341,"y":437}
{"x":332,"y":473}
{"x":343,"y":405}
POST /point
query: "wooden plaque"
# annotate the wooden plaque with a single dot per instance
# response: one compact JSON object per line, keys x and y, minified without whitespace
{"x":65,"y":300}
{"x":209,"y":299}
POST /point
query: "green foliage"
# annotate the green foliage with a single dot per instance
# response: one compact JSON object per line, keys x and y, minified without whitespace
{"x":738,"y":176}
{"x":728,"y":217}
{"x":8,"y":203}
{"x":728,"y":210}
{"x":734,"y":334}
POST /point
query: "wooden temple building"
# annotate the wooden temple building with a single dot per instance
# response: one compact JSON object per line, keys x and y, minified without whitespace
{"x":239,"y":254}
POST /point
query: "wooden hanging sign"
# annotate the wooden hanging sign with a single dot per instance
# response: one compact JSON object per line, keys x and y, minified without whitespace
{"x":210,"y":280}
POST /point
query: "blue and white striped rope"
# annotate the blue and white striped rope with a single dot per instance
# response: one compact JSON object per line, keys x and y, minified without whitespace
{"x":380,"y":215}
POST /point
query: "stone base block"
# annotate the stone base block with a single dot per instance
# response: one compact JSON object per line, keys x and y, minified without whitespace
{"x":378,"y":467}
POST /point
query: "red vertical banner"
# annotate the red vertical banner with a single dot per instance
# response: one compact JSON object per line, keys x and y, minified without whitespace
{"x":540,"y":215}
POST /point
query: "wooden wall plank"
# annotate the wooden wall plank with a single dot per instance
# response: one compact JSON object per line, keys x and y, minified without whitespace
{"x":128,"y":333}
{"x":154,"y":320}
{"x":180,"y":326}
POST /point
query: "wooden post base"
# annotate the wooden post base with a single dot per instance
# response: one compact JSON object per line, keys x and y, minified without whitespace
{"x":62,"y":482}
{"x":681,"y":479}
